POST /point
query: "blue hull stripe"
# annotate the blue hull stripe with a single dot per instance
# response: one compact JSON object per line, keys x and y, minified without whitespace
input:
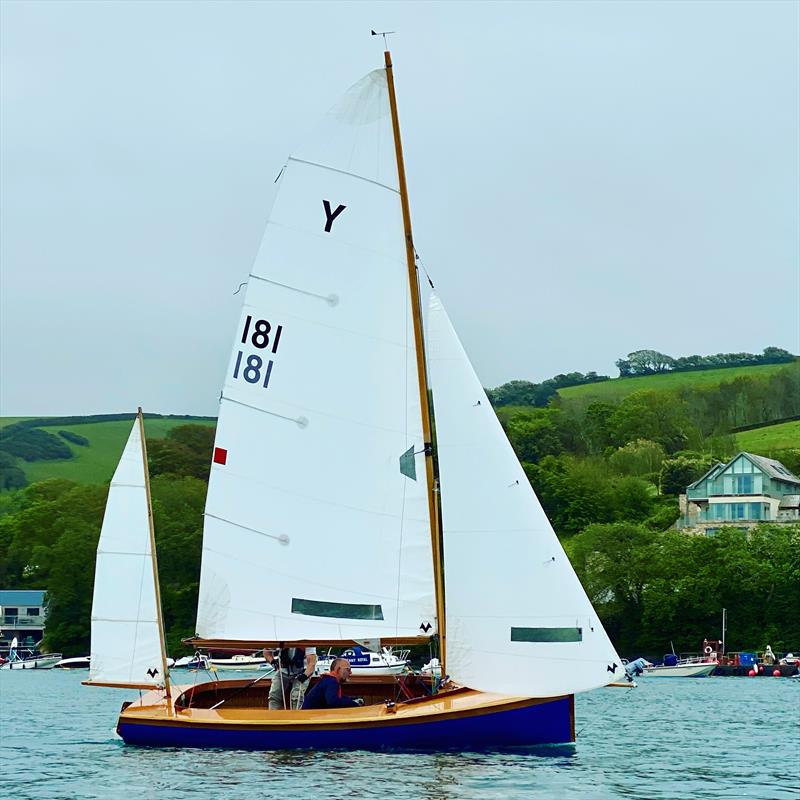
{"x":545,"y":723}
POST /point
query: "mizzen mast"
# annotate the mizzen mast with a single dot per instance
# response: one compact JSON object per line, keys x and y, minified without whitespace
{"x":416,"y":311}
{"x":154,"y":561}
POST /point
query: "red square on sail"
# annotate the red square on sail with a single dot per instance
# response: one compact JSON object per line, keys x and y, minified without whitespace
{"x":220,"y":455}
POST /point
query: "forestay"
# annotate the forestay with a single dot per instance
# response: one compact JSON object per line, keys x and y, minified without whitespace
{"x":313,"y":529}
{"x":518,"y":619}
{"x":126,"y":643}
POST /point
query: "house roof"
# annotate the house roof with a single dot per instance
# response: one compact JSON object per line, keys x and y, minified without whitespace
{"x":718,"y":466}
{"x":773,"y":468}
{"x":21,"y":597}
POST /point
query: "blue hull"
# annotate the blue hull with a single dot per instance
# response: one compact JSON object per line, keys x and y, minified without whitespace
{"x":550,"y":722}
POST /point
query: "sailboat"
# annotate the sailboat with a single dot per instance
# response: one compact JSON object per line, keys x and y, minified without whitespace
{"x":335,"y":517}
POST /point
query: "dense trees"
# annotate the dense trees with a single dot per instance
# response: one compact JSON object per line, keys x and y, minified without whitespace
{"x":651,"y":587}
{"x":607,"y":474}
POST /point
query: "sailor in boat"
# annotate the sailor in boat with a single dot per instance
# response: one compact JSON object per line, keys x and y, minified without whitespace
{"x":769,"y":656}
{"x":293,"y":667}
{"x":328,"y":692}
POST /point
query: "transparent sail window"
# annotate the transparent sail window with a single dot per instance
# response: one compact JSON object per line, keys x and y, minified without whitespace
{"x":547,"y":634}
{"x":320,"y":608}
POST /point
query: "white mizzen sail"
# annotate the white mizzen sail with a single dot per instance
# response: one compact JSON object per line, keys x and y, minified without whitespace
{"x":126,"y":638}
{"x":312,"y":530}
{"x":518,"y":619}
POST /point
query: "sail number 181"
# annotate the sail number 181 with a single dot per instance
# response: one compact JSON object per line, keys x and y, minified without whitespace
{"x":253,"y":367}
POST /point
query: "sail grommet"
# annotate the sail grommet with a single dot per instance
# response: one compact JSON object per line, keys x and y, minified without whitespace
{"x":302,"y":422}
{"x":332,"y":300}
{"x":284,"y":539}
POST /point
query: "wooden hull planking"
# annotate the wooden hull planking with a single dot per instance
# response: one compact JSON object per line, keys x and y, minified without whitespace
{"x":462,"y":719}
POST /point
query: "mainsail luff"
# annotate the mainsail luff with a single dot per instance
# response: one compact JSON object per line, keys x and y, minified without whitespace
{"x":416,"y":310}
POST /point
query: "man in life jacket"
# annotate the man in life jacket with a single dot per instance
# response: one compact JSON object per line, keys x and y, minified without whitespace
{"x":328,"y":692}
{"x":293,"y":667}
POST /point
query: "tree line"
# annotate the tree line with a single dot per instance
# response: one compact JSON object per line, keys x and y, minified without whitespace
{"x":651,"y":362}
{"x":607,"y":474}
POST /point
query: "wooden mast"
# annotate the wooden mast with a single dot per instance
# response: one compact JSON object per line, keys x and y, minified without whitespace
{"x":154,"y":562}
{"x":433,"y":509}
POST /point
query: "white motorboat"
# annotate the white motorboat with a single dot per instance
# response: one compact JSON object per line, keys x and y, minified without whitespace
{"x":241,"y":663}
{"x":674,"y":667}
{"x":16,"y":661}
{"x":365,"y":662}
{"x":79,"y":662}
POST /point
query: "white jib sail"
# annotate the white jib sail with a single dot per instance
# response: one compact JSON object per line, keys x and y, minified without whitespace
{"x":126,"y":643}
{"x":313,"y":530}
{"x":518,"y":619}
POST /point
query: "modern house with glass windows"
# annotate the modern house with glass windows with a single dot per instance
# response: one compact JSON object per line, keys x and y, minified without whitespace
{"x":747,"y":490}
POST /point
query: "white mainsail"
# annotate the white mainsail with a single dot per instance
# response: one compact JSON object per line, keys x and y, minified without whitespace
{"x":126,"y":639}
{"x":518,"y":619}
{"x":313,"y":529}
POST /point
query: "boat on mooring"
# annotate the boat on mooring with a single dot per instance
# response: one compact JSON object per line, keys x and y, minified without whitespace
{"x":674,"y":667}
{"x":77,"y":662}
{"x":334,"y":515}
{"x":32,"y":660}
{"x":365,"y":662}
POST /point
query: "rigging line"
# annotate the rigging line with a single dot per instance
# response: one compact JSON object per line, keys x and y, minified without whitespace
{"x":243,"y":283}
{"x":283,"y":538}
{"x":300,"y":421}
{"x":344,"y":172}
{"x":331,"y":299}
{"x":419,"y":261}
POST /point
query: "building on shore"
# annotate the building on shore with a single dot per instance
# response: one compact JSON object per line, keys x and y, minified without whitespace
{"x":22,"y":616}
{"x":745,"y":491}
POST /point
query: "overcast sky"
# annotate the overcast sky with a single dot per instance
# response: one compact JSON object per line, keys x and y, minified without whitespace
{"x":586,"y":179}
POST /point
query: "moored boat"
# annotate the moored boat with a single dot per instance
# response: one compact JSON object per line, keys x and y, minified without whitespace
{"x":674,"y":667}
{"x":78,"y":662}
{"x":365,"y":662}
{"x":32,"y":660}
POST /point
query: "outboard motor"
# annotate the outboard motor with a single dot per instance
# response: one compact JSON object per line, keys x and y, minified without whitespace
{"x":635,"y":668}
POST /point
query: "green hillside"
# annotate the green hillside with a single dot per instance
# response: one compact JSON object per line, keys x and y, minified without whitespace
{"x":770,"y":438}
{"x":615,"y":390}
{"x":95,"y":463}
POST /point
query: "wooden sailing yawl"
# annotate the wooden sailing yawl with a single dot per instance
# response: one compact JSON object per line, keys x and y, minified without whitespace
{"x":333,"y":516}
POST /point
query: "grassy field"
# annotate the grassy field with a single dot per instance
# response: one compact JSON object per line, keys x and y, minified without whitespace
{"x":615,"y":390}
{"x":770,"y":438}
{"x":96,"y":463}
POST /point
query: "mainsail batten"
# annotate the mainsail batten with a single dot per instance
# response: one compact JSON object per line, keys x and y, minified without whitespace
{"x":319,"y":404}
{"x":519,"y":622}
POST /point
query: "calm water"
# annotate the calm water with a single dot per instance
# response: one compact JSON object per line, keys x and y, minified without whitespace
{"x":711,"y":738}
